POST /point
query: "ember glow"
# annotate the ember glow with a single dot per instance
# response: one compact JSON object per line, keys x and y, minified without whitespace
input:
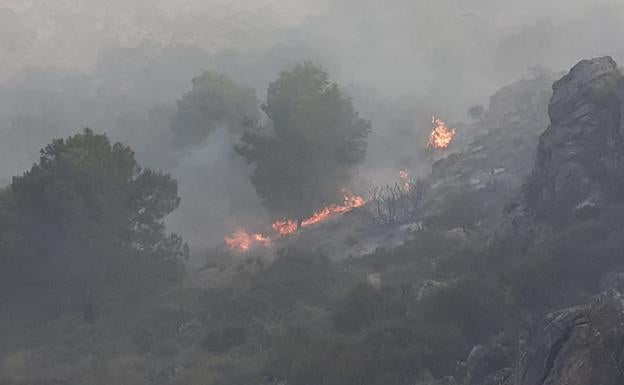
{"x":243,"y":241}
{"x":284,"y":227}
{"x":405,"y":176}
{"x":350,"y":202}
{"x":441,"y":136}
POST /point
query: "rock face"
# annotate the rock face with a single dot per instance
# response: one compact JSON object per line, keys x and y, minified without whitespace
{"x":497,"y":162}
{"x":579,"y":171}
{"x":486,"y":366}
{"x":510,"y":130}
{"x":580,"y":158}
{"x":577,"y":346}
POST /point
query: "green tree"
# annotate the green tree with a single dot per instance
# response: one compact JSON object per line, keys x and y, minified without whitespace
{"x":318,"y":138}
{"x":214,"y":100}
{"x":84,"y":226}
{"x":85,"y":182}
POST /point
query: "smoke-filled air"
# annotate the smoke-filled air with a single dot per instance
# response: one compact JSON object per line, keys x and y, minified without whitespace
{"x":299,"y":192}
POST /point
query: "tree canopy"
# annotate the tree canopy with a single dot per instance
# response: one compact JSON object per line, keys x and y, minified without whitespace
{"x":84,"y":216}
{"x":214,"y":100}
{"x":85,"y":181}
{"x":318,"y":138}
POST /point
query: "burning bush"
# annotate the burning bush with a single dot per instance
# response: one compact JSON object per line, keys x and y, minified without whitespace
{"x":441,"y":135}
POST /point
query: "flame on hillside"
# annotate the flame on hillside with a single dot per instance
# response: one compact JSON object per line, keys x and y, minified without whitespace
{"x":405,"y":179}
{"x":441,"y":136}
{"x":349,"y":203}
{"x":284,"y":227}
{"x":242,"y":241}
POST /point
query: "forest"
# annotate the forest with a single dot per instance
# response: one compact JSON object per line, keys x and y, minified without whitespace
{"x":293,"y":193}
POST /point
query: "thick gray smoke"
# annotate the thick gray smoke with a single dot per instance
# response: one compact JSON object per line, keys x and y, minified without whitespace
{"x":216,"y":193}
{"x":119,"y":67}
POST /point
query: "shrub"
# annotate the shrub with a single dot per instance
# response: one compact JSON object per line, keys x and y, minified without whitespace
{"x":396,"y":203}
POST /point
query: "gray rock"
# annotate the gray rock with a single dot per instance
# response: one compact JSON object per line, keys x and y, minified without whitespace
{"x":577,"y":346}
{"x":496,"y":163}
{"x":488,"y":366}
{"x":580,"y":157}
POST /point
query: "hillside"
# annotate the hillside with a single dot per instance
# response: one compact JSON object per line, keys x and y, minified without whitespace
{"x":467,"y":189}
{"x":521,"y":222}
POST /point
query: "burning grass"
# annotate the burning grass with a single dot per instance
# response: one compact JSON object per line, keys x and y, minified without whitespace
{"x":242,"y":241}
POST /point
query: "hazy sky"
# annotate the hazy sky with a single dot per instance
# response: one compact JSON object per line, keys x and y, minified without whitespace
{"x":119,"y":66}
{"x":70,"y":32}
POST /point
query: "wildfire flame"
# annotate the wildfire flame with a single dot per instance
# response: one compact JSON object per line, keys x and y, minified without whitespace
{"x":405,"y":176}
{"x":350,"y":202}
{"x":441,"y":136}
{"x":284,"y":227}
{"x":243,"y":241}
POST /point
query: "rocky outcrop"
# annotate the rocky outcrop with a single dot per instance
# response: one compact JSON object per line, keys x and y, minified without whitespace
{"x":577,"y":346}
{"x":580,"y":159}
{"x":494,"y":165}
{"x":578,"y":174}
{"x":581,"y":345}
{"x":488,"y":366}
{"x":509,"y":133}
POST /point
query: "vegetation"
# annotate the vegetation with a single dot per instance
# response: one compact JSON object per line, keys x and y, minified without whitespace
{"x":84,"y":215}
{"x":93,"y":287}
{"x":301,"y":317}
{"x":318,"y":138}
{"x":395,"y":203}
{"x":214,"y":101}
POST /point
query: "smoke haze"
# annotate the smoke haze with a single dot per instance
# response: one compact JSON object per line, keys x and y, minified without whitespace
{"x":120,"y":66}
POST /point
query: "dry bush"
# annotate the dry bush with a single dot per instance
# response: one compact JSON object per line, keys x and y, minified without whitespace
{"x":395,"y":203}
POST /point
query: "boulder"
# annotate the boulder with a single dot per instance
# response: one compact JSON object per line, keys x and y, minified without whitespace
{"x":577,"y":346}
{"x":488,"y":366}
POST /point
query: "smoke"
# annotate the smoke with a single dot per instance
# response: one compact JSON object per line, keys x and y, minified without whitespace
{"x":119,"y":67}
{"x":216,"y":193}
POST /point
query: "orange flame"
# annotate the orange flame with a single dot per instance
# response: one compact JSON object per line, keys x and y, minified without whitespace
{"x":405,"y":175}
{"x":349,"y":203}
{"x":441,"y":136}
{"x":243,"y":241}
{"x":284,"y":227}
